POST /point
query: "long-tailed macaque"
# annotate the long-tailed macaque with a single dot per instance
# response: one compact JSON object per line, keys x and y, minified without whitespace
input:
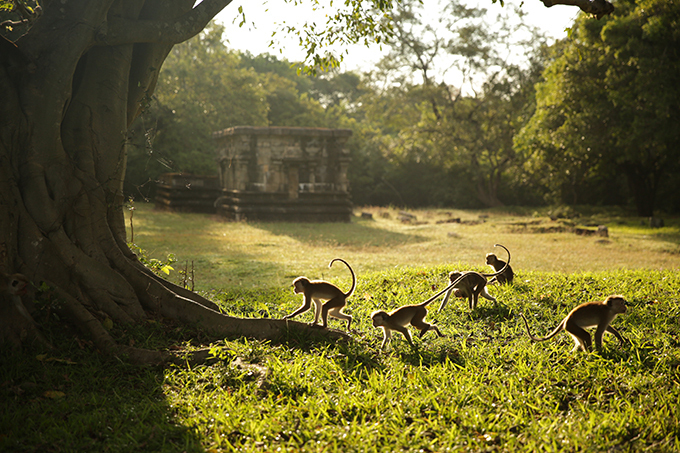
{"x":402,"y":317}
{"x":318,"y":290}
{"x":20,"y":321}
{"x":588,"y":314}
{"x":471,"y":284}
{"x":15,"y":285}
{"x":505,"y":276}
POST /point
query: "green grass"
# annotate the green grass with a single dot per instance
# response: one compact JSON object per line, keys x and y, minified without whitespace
{"x":269,"y":255}
{"x":484,"y":387}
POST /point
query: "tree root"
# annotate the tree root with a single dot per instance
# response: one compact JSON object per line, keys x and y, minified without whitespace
{"x":215,"y":325}
{"x":17,"y":325}
{"x":99,"y":279}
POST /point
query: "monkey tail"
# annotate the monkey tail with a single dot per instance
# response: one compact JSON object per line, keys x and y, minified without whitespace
{"x":354,"y":278}
{"x":424,"y":304}
{"x":507,"y":263}
{"x":555,"y":331}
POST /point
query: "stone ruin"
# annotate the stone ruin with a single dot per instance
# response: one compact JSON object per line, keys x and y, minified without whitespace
{"x":183,"y":192}
{"x":283,"y":174}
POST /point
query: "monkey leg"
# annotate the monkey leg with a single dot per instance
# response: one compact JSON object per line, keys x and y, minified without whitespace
{"x":473,"y":301}
{"x":616,"y":333}
{"x":581,"y":337}
{"x":317,"y":311}
{"x":429,"y":327}
{"x":436,"y":329}
{"x":334,"y":304}
{"x":387,"y":336}
{"x":424,"y":327}
{"x":404,"y":331}
{"x":338,"y":314}
{"x":485,"y":294}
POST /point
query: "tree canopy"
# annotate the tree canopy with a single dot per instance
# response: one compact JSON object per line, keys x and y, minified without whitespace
{"x":608,"y":107}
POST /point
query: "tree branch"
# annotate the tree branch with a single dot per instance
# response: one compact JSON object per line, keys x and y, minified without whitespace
{"x":598,"y":8}
{"x":119,"y":30}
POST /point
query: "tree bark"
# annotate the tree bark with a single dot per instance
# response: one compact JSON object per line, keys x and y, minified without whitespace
{"x":643,"y":187}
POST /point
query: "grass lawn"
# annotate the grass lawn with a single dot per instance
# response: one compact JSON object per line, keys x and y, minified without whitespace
{"x":229,"y":255}
{"x":483,"y":387}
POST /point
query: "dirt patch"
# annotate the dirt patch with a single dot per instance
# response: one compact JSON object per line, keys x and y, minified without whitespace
{"x":541,"y":227}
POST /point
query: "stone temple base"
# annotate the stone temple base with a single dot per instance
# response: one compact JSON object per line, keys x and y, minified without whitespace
{"x":187,"y":193}
{"x":276,"y":207}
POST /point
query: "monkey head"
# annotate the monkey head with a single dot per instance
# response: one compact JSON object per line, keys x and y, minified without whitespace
{"x":379,"y":318}
{"x":17,"y":285}
{"x":454,"y":275}
{"x":491,"y":258}
{"x":299,"y":285}
{"x":616,"y":303}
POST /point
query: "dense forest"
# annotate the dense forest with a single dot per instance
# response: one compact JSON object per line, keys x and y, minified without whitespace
{"x":449,"y":117}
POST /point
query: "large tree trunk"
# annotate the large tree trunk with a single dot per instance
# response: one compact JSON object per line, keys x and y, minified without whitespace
{"x":643,"y":183}
{"x":72,"y":85}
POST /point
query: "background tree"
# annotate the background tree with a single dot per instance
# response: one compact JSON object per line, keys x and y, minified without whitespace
{"x":609,"y":107}
{"x":459,"y":100}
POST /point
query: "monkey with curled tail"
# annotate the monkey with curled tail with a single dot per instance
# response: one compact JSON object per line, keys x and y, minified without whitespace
{"x":319,"y":290}
{"x":506,"y":275}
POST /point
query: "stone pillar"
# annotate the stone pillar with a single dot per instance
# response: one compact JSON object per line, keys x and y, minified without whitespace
{"x":293,"y":182}
{"x":312,"y":176}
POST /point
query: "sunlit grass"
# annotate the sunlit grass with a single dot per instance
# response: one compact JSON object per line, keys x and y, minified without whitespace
{"x":483,"y":387}
{"x":228,"y":255}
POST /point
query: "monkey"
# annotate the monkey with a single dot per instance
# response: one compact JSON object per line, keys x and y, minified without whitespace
{"x":471,"y":285}
{"x":402,"y":317}
{"x":16,"y":285}
{"x":588,"y":314}
{"x":12,"y":288}
{"x":318,"y":290}
{"x":504,"y":277}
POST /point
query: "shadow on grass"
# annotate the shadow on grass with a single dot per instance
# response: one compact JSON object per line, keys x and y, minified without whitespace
{"x":341,"y":234}
{"x":77,"y":400}
{"x":432,"y":354}
{"x":494,"y":312}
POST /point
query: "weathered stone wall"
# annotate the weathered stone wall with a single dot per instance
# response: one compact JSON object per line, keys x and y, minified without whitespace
{"x":284,"y":173}
{"x":187,"y":193}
